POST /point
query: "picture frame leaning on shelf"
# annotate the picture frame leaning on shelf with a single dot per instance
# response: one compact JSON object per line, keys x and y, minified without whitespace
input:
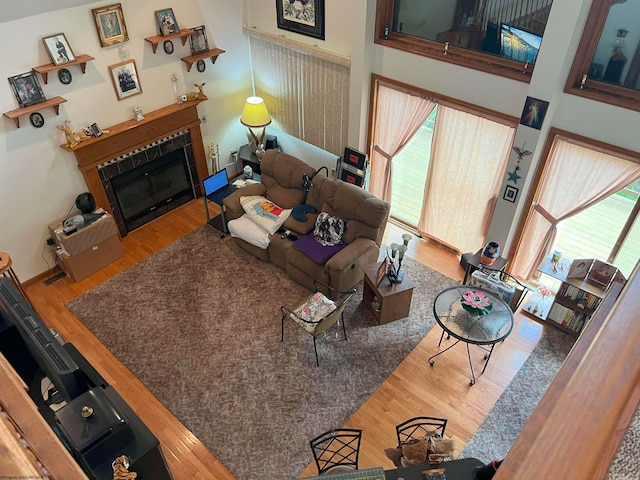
{"x":580,"y":268}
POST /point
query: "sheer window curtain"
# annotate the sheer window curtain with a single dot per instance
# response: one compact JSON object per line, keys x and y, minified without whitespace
{"x":576,"y":177}
{"x":399,"y":115}
{"x":468,"y":161}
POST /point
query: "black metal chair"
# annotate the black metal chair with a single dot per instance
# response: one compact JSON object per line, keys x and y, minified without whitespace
{"x":318,"y":313}
{"x":418,"y":427}
{"x":337,"y":450}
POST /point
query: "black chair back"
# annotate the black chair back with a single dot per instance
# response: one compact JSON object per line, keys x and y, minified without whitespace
{"x":336,"y":447}
{"x":418,"y":427}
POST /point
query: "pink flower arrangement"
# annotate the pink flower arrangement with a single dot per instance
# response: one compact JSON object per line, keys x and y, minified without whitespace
{"x":476,"y":299}
{"x":544,"y":291}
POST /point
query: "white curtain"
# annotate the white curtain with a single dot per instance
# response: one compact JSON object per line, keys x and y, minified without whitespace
{"x":469,"y":156}
{"x":397,"y":118}
{"x":575,"y":178}
{"x":306,"y":89}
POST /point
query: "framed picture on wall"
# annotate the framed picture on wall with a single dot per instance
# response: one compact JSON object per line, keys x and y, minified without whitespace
{"x":304,"y":17}
{"x":125,"y":79}
{"x":167,"y":22}
{"x":510,"y":194}
{"x":27,"y":89}
{"x":354,"y":158}
{"x":58,"y":49}
{"x":110,"y":24}
{"x":533,"y":113}
{"x":198,"y":40}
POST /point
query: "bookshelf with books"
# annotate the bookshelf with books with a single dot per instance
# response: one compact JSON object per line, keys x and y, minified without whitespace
{"x":578,"y":296}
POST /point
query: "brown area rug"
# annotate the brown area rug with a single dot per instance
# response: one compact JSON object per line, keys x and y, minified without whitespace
{"x":199,"y":323}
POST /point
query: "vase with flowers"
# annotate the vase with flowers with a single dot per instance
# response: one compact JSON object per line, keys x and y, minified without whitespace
{"x":542,"y":294}
{"x":395,"y":254}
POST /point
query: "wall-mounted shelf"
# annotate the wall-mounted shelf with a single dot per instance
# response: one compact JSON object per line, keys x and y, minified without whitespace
{"x":212,"y":54}
{"x":16,"y":114}
{"x":50,"y":67}
{"x":157,"y":39}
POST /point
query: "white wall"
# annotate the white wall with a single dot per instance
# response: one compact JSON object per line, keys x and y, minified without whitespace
{"x":38,"y":180}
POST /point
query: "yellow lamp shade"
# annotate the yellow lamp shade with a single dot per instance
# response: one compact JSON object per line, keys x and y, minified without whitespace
{"x":255,"y":113}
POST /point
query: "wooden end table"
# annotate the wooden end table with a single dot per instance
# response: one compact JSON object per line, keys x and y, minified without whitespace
{"x":394,"y":299}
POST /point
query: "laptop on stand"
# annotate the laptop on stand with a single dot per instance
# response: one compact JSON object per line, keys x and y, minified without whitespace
{"x":216,"y":189}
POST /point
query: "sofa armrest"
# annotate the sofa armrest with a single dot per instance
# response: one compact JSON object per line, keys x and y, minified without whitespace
{"x":359,"y":253}
{"x":232,"y":202}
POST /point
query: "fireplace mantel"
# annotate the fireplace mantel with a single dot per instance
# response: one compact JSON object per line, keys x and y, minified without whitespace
{"x":130,"y":135}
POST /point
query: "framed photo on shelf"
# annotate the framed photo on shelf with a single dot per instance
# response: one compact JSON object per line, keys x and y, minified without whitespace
{"x":198,"y":40}
{"x":167,"y":22}
{"x":27,"y":89}
{"x":382,"y":271}
{"x":601,"y":272}
{"x":580,"y":267}
{"x":58,"y":49}
{"x":110,"y":24}
{"x":305,"y":18}
{"x":125,"y":79}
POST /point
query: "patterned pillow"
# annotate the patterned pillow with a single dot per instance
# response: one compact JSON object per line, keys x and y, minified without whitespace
{"x":315,"y":308}
{"x":329,"y":230}
{"x":264,"y":212}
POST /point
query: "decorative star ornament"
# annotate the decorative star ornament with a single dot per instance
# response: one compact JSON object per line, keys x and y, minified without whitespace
{"x":513,"y":176}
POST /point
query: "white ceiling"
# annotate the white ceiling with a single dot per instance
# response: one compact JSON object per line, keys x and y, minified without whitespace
{"x":13,"y":10}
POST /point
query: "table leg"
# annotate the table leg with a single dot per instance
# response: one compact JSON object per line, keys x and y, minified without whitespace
{"x":473,"y":377}
{"x":487,"y":357}
{"x":431,"y":362}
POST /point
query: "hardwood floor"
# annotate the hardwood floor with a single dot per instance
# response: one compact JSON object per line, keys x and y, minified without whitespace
{"x":413,"y":389}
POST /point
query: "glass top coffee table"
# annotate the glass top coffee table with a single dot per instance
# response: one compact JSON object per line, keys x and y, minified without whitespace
{"x":482,"y":330}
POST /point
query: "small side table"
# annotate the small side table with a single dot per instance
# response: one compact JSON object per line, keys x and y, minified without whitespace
{"x":394,"y":299}
{"x":474,"y":264}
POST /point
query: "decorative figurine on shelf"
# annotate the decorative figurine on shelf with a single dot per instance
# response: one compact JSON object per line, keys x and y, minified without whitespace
{"x":397,"y":251}
{"x":476,"y":302}
{"x":199,"y":95}
{"x":73,"y":138}
{"x":121,"y":469}
{"x":489,"y":254}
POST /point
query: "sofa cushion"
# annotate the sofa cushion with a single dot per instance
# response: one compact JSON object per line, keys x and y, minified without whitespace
{"x":329,"y":230}
{"x":317,"y":252}
{"x":249,"y":231}
{"x":264,"y":212}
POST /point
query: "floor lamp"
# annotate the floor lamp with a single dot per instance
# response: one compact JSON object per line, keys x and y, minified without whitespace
{"x":255,"y":115}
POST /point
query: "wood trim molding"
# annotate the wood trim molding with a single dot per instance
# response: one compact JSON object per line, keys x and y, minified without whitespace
{"x":127,"y":136}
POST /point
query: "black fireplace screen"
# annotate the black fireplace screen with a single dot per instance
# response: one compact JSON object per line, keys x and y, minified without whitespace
{"x":152,"y":189}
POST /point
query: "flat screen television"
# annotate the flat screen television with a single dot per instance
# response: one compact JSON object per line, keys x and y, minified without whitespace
{"x":518,"y":44}
{"x":44,"y":347}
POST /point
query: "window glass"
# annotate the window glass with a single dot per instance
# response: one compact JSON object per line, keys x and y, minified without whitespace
{"x":511,"y":30}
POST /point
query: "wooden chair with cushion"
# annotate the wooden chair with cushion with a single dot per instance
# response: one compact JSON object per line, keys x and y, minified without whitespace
{"x":318,"y":313}
{"x":337,"y":450}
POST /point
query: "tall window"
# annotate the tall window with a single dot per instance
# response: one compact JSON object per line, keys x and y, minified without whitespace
{"x":305,"y":88}
{"x":440,"y":163}
{"x":582,"y":205}
{"x":609,"y":70}
{"x":497,"y":36}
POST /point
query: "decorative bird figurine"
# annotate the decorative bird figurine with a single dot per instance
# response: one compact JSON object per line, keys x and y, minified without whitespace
{"x":521,"y":152}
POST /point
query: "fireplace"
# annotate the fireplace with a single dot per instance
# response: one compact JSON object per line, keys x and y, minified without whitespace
{"x":150,"y":181}
{"x":166,"y":145}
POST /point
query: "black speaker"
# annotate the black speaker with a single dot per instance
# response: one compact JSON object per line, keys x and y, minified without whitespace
{"x":85,"y":203}
{"x":272,"y":142}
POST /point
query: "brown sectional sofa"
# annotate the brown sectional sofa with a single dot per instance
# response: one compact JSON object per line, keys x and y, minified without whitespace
{"x":366,"y":216}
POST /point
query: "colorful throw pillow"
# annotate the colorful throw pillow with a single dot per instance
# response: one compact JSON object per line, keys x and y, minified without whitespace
{"x":314,"y":309}
{"x":329,"y":230}
{"x":264,"y":212}
{"x":313,"y":249}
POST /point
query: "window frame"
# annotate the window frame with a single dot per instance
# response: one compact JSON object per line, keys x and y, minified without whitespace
{"x":384,"y":35}
{"x":593,"y":89}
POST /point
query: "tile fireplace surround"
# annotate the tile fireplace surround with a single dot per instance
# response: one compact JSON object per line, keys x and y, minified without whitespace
{"x":124,"y":138}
